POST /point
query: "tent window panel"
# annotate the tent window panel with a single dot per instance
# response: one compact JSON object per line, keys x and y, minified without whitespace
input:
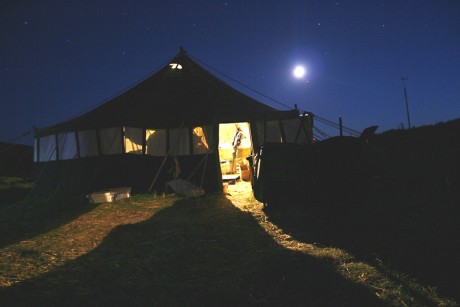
{"x":133,"y":140}
{"x":67,"y":145}
{"x":291,"y":130}
{"x":179,"y":142}
{"x":202,"y":137}
{"x":47,"y":148}
{"x":110,"y":141}
{"x":260,"y":132}
{"x":88,"y":143}
{"x":156,"y":142}
{"x":273,"y":132}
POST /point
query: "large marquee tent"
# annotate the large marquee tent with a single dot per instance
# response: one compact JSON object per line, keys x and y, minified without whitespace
{"x":136,"y":138}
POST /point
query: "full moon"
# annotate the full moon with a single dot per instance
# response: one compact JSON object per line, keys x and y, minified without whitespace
{"x":299,"y":71}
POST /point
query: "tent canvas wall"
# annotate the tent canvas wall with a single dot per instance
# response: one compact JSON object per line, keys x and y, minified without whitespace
{"x":174,"y":113}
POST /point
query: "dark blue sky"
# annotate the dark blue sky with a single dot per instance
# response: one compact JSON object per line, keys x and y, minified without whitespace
{"x":60,"y":58}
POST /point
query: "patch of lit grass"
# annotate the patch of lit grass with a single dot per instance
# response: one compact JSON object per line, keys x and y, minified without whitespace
{"x":15,"y":182}
{"x":44,"y":252}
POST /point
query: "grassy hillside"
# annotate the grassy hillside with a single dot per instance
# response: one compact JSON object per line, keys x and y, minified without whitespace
{"x":16,"y":160}
{"x":16,"y":171}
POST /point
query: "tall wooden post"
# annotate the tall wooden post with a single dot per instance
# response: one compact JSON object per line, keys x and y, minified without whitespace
{"x":407,"y":102}
{"x":340,"y":126}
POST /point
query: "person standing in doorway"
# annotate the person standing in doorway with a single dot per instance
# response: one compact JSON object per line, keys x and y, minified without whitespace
{"x":237,"y":139}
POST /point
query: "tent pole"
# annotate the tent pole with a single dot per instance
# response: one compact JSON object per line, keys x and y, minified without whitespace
{"x":196,"y":167}
{"x":165,"y":158}
{"x":158,"y":173}
{"x":215,"y":142}
{"x":204,"y":170}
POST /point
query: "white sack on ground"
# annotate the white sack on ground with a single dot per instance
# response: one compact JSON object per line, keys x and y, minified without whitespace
{"x":185,"y":188}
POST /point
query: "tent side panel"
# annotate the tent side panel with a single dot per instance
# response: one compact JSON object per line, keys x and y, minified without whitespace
{"x":133,"y":138}
{"x":82,"y":176}
{"x":110,"y":141}
{"x":273,"y":132}
{"x":67,"y":145}
{"x":47,"y":148}
{"x":87,"y":142}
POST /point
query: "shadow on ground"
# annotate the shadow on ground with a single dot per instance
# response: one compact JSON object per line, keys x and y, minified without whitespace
{"x":419,"y":239}
{"x":13,"y":195}
{"x":196,"y":253}
{"x":395,"y":200}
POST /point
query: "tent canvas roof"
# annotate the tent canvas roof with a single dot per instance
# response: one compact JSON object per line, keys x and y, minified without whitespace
{"x":171,"y":97}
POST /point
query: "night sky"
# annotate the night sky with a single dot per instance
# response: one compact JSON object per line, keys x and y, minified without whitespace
{"x":60,"y":58}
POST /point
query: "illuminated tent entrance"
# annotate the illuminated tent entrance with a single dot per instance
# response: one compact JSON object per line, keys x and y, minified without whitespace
{"x":177,"y":122}
{"x":233,"y":163}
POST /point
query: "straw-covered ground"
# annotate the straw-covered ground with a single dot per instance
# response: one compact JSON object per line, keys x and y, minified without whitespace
{"x":216,"y":250}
